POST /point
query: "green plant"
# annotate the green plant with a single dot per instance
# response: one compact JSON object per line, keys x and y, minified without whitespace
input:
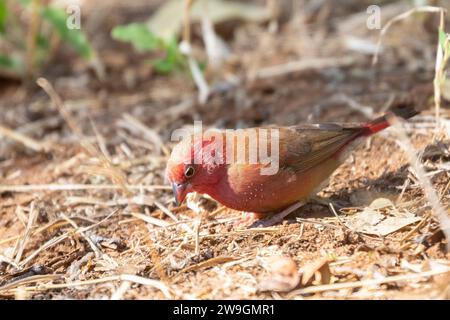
{"x":57,"y":17}
{"x":143,"y":40}
{"x":29,"y":46}
{"x":3,"y":15}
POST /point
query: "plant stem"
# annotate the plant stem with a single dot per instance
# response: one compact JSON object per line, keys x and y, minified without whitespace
{"x":32,"y":34}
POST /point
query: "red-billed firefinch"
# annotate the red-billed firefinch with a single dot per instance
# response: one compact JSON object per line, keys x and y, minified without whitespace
{"x":308,"y":155}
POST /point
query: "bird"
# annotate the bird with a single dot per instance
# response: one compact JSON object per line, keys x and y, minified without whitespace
{"x":308,"y":154}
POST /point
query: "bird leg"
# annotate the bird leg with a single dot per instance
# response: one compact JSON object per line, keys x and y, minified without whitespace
{"x":278,"y":217}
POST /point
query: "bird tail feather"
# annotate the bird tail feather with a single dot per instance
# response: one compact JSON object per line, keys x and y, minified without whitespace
{"x":404,"y":111}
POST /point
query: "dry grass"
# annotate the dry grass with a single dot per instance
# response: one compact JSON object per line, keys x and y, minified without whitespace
{"x":85,"y":211}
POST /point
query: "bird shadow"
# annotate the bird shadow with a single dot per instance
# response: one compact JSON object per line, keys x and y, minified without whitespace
{"x":388,"y":185}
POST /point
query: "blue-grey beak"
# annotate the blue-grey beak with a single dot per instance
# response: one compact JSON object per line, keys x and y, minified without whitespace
{"x":179,"y":192}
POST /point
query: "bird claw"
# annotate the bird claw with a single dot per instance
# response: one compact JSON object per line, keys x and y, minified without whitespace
{"x":248,"y":219}
{"x":265,"y":223}
{"x":326,"y":202}
{"x":277,"y":218}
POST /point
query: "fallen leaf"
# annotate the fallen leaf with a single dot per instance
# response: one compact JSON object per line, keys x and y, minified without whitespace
{"x":372,"y":221}
{"x":381,"y":203}
{"x":411,"y":266}
{"x":392,"y":224}
{"x":368,"y":217}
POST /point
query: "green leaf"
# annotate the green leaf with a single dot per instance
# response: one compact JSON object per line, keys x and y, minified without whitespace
{"x":25,"y":2}
{"x":144,"y":40}
{"x":10,"y":63}
{"x":138,"y":35}
{"x":172,"y":48}
{"x":202,"y":66}
{"x":3,"y":15}
{"x":43,"y":42}
{"x":442,"y":38}
{"x":174,"y":59}
{"x":163,"y":66}
{"x":76,"y":38}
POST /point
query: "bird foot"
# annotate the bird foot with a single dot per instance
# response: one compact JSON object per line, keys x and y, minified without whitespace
{"x":277,"y":218}
{"x":248,"y":218}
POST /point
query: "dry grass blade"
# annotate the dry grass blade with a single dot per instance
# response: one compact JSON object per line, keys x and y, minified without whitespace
{"x":32,"y":35}
{"x":100,"y":140}
{"x":108,"y":170}
{"x":173,"y":217}
{"x":115,"y":174}
{"x":399,"y":18}
{"x":32,"y":216}
{"x":122,"y":277}
{"x":187,"y":20}
{"x":417,"y":227}
{"x":329,"y":225}
{"x":437,"y":209}
{"x":53,"y":224}
{"x":186,"y":49}
{"x":197,"y":227}
{"x":96,"y":250}
{"x":339,"y":218}
{"x":8,"y":261}
{"x":75,"y":187}
{"x":135,"y":125}
{"x":62,"y":237}
{"x":23,"y":139}
{"x":442,"y":57}
{"x":32,"y":279}
{"x":241,"y":232}
{"x":151,"y":220}
{"x":57,"y":101}
{"x":140,"y":200}
{"x":147,"y":282}
{"x":365,"y":283}
{"x":215,"y":212}
{"x":302,"y":65}
{"x":210,"y":263}
{"x":119,"y":293}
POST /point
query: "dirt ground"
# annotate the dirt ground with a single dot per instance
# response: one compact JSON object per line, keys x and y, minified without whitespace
{"x":68,"y":230}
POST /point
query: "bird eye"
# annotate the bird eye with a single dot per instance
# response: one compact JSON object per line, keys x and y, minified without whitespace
{"x":189,"y":172}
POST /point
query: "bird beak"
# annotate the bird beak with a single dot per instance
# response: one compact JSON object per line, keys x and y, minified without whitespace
{"x":179,"y":192}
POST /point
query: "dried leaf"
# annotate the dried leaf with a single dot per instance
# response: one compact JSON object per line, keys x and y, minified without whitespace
{"x":372,"y":221}
{"x":381,"y":203}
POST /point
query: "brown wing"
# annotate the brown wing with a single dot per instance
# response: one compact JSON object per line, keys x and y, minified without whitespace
{"x":302,"y":147}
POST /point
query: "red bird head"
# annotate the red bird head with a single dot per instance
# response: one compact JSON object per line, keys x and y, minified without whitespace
{"x":193,"y":165}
